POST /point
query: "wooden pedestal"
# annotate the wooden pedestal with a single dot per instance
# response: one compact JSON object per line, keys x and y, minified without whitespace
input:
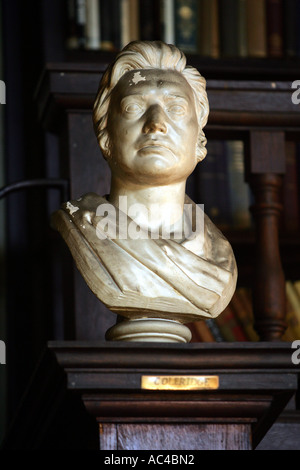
{"x":88,"y":395}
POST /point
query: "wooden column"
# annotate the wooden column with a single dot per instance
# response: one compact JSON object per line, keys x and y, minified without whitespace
{"x":267,"y":164}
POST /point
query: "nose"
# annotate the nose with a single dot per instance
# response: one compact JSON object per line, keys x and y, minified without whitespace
{"x":155,"y":121}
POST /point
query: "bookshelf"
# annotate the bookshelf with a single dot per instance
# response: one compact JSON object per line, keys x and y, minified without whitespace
{"x":209,"y":28}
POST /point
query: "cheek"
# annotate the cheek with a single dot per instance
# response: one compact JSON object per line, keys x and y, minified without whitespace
{"x":127,"y":131}
{"x":193,"y":128}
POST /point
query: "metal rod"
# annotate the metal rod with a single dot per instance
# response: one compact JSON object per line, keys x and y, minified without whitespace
{"x":61,"y":184}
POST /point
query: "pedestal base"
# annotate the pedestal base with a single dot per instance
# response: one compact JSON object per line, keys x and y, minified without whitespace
{"x":91,"y":396}
{"x":149,"y":330}
{"x":179,"y":437}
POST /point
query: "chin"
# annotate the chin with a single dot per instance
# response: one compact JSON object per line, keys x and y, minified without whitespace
{"x":156,"y":167}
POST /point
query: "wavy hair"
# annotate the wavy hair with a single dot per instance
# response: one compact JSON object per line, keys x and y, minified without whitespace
{"x":149,"y":55}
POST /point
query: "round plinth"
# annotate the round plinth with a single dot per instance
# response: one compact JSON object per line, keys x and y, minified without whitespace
{"x":149,"y":329}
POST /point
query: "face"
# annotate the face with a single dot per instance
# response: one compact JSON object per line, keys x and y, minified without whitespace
{"x":152,"y":127}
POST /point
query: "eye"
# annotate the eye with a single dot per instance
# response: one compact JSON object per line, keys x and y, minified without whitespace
{"x":132,"y":108}
{"x":176,"y":109}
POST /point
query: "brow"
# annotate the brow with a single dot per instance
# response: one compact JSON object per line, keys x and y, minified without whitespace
{"x":143,"y":96}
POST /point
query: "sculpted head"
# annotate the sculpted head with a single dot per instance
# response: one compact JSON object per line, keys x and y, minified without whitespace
{"x":138,"y":65}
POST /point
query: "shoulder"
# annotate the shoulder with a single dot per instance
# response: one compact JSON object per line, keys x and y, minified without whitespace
{"x":75,"y":212}
{"x":210,"y":243}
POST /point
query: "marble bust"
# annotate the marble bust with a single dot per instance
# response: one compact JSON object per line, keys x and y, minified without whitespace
{"x":147,"y":251}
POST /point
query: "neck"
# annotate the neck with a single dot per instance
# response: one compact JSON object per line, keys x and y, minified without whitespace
{"x":153,"y":208}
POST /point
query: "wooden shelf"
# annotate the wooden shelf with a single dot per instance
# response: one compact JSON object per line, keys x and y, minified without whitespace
{"x":241,"y":68}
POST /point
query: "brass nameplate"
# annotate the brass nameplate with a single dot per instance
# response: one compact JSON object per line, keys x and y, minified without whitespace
{"x":180,"y":382}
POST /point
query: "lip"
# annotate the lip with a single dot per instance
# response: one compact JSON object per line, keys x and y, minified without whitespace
{"x":154,"y":143}
{"x":157,"y":146}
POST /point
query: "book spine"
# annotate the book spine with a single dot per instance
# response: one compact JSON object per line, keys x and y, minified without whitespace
{"x":111,"y":25}
{"x":209,"y":37}
{"x":186,"y":25}
{"x":215,"y":330}
{"x":125,"y":23}
{"x":134,"y":31}
{"x":242,"y":29}
{"x":291,"y":207}
{"x":290,"y":28}
{"x":256,"y":28}
{"x":238,"y":188}
{"x":149,"y":18}
{"x":129,"y":21}
{"x":206,"y":175}
{"x":228,"y":18}
{"x":81,"y":22}
{"x":229,"y":327}
{"x":92,"y":25}
{"x":106,"y":26}
{"x":289,"y":334}
{"x":201,"y":333}
{"x":71,"y":26}
{"x":274,"y":28}
{"x":293,"y":314}
{"x":167,"y":16}
{"x":242,"y":307}
{"x":116,"y":23}
{"x":297,"y":287}
{"x":222,"y":189}
{"x":298,"y":30}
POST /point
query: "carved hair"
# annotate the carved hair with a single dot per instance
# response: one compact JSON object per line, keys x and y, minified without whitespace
{"x":149,"y":55}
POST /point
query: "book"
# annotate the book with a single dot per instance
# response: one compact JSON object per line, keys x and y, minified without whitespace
{"x":224,"y":216}
{"x":242,"y":308}
{"x":149,"y":19}
{"x":228,"y":21}
{"x":129,"y":21}
{"x":71,"y":25}
{"x":186,"y":25}
{"x":290,"y":190}
{"x":242,"y":29}
{"x":209,"y":37}
{"x":80,"y":16}
{"x":215,"y":330}
{"x":297,"y":27}
{"x":230,"y":329}
{"x":212,"y":188}
{"x":167,"y":18}
{"x":293,"y":313}
{"x":297,"y":287}
{"x":289,"y":334}
{"x":110,"y":14}
{"x":290,"y":27}
{"x":92,"y":25}
{"x":274,"y":15}
{"x":201,"y":333}
{"x":256,"y":28}
{"x":239,"y":190}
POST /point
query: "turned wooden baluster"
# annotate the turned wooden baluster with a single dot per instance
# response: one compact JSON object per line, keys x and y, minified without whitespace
{"x":267,"y":165}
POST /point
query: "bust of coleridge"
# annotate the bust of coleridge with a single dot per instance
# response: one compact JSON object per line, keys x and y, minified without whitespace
{"x":137,"y":248}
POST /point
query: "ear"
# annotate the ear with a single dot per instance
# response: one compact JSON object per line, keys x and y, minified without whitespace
{"x":104,"y":144}
{"x":201,"y":150}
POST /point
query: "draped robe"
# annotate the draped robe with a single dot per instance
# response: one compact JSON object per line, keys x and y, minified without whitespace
{"x":186,"y":280}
